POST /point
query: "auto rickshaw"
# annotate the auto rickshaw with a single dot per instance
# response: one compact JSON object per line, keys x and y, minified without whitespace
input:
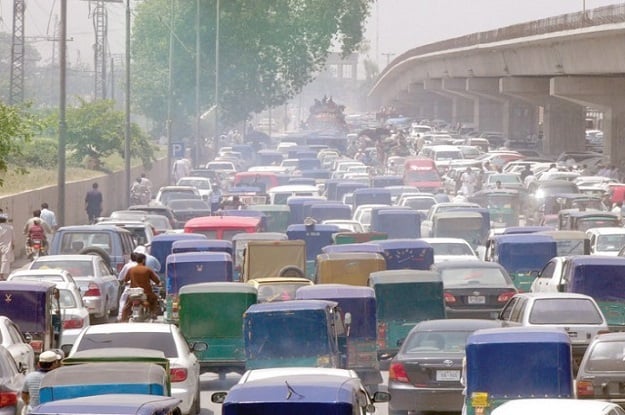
{"x":212,"y":313}
{"x":273,"y":289}
{"x":161,"y":246}
{"x":296,"y":207}
{"x":330,"y":210}
{"x":396,"y":222}
{"x":240,"y":241}
{"x":359,"y":302}
{"x":208,"y":245}
{"x":129,"y":404}
{"x":504,"y":205}
{"x":407,"y":254}
{"x":514,"y":363}
{"x":362,"y":247}
{"x":582,"y":221}
{"x":518,"y":230}
{"x":459,"y":224}
{"x":294,"y":333}
{"x":316,"y":237}
{"x":344,"y":188}
{"x":523,"y":256}
{"x":192,"y":268}
{"x":372,"y":196}
{"x":570,"y":242}
{"x":76,"y":381}
{"x":270,"y":258}
{"x":352,"y":268}
{"x":34,"y":307}
{"x":404,"y":298}
{"x":385,"y":181}
{"x":341,"y":238}
{"x":247,"y":213}
{"x":564,"y":217}
{"x":276,"y":216}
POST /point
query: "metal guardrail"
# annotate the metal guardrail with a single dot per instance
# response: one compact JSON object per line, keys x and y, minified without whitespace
{"x":594,"y":17}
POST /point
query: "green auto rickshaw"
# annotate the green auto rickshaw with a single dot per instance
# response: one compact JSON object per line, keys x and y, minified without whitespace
{"x":504,"y":205}
{"x":212,"y":313}
{"x":404,"y":298}
{"x":277,"y":216}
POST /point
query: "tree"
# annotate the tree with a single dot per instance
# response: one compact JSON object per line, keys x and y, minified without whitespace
{"x":96,"y":130}
{"x":17,"y":126}
{"x":269,"y":50}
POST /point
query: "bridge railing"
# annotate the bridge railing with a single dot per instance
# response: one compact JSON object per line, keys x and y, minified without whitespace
{"x":594,"y":17}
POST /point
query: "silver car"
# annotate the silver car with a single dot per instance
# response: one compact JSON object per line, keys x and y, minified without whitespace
{"x":11,"y":384}
{"x":98,"y":284}
{"x":11,"y":338}
{"x":183,"y":365}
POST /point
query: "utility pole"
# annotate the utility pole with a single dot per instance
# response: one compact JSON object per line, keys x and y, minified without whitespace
{"x":100,"y":23}
{"x":198,"y":112}
{"x":127,"y":107}
{"x":17,"y":54}
{"x":62,"y":125}
{"x":170,"y":89}
{"x":217,"y":18}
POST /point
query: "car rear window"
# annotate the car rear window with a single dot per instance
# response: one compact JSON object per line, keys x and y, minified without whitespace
{"x":606,"y":357}
{"x":473,"y":276}
{"x":437,"y":341}
{"x":148,"y":340}
{"x":74,"y":242}
{"x":76,"y":268}
{"x":564,"y":311}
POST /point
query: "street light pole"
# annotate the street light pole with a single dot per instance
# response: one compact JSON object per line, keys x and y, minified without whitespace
{"x":127,"y":109}
{"x":60,"y":209}
{"x":198,"y":53}
{"x":217,"y":18}
{"x":170,"y":95}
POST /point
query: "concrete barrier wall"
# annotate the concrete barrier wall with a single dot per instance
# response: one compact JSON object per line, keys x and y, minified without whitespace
{"x":20,"y":206}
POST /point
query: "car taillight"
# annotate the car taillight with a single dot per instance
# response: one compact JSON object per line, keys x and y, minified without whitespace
{"x":8,"y":399}
{"x":397,"y":372}
{"x":381,"y":335}
{"x":449,"y":298}
{"x":73,"y":323}
{"x":177,"y":374}
{"x":504,"y":297}
{"x":585,"y":388}
{"x":92,"y":290}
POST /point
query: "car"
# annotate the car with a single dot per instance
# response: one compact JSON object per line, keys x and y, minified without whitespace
{"x":346,"y":224}
{"x":426,"y":224}
{"x":156,"y":209}
{"x":183,"y":365}
{"x":557,"y":406}
{"x":98,"y":284}
{"x":160,"y":223}
{"x":11,"y":384}
{"x":606,"y":241}
{"x":222,"y":167}
{"x":112,"y":243}
{"x":602,"y":370}
{"x":12,"y":339}
{"x":421,"y":203}
{"x":451,"y":249}
{"x":74,"y":314}
{"x":169,"y":193}
{"x":475,"y":289}
{"x":507,"y":180}
{"x":425,"y":373}
{"x":204,"y":185}
{"x":185,"y":209}
{"x":577,"y":314}
{"x":141,"y":230}
{"x":49,"y":274}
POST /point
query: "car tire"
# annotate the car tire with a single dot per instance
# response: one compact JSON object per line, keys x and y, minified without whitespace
{"x":396,"y":412}
{"x":94,"y":250}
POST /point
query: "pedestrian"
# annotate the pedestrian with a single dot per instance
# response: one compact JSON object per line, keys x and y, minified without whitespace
{"x":147,"y":183}
{"x":618,"y":210}
{"x":180,"y":169}
{"x":526,"y":172}
{"x":93,"y":203}
{"x":48,"y":361}
{"x":7,"y":246}
{"x":468,"y":182}
{"x":48,"y":216}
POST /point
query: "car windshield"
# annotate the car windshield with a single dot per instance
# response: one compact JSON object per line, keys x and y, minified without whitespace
{"x":76,"y":268}
{"x":610,"y":243}
{"x":606,"y":356}
{"x":422,"y":176}
{"x":455,"y":277}
{"x":451,"y":249}
{"x":142,"y":340}
{"x":420,"y":203}
{"x":437,"y":342}
{"x":564,"y":311}
{"x":200,"y":184}
{"x":187,"y":204}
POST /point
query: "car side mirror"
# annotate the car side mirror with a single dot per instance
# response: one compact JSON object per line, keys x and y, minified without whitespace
{"x":381,"y":397}
{"x":66,"y":348}
{"x":219,"y":397}
{"x":199,"y":347}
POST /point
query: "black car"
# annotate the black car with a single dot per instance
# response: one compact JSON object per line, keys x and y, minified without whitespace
{"x":425,"y":374}
{"x":475,"y":289}
{"x":185,"y":209}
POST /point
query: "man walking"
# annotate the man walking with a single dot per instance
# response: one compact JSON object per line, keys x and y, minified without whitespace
{"x":93,"y":203}
{"x":48,"y":216}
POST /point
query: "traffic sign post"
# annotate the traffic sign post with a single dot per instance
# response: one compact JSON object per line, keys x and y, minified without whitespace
{"x":177,"y":150}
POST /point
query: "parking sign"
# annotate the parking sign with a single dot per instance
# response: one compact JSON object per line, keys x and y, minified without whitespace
{"x":177,"y":150}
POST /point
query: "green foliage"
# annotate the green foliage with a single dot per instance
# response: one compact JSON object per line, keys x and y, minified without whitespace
{"x":39,"y":152}
{"x":17,"y":127}
{"x":269,"y":50}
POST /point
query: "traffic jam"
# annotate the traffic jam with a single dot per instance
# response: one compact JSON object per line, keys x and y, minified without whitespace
{"x":394,"y":264}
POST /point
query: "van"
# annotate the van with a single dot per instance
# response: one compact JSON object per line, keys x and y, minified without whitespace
{"x":422,"y":174}
{"x":442,"y":155}
{"x":280,"y":194}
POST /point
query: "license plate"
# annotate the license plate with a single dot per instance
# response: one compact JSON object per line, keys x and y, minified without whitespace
{"x":572,"y":334}
{"x":477,"y":299}
{"x":447,"y":375}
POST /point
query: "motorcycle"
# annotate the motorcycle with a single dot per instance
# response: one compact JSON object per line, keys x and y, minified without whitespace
{"x":140,"y":306}
{"x":36,"y":249}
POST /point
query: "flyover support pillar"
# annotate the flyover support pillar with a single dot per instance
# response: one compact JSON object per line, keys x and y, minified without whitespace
{"x":461,"y":107}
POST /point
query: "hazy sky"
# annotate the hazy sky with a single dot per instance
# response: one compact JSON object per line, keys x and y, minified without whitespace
{"x":394,"y":27}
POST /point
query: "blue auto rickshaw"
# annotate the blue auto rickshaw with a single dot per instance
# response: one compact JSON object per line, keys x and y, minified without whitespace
{"x":515,"y":230}
{"x":34,"y":307}
{"x":396,"y":223}
{"x":296,"y":207}
{"x":355,"y":247}
{"x":372,"y":196}
{"x":330,"y":210}
{"x":344,"y":188}
{"x":407,"y":254}
{"x":384,"y":181}
{"x":602,"y":278}
{"x":111,"y":403}
{"x":276,"y":216}
{"x":208,"y":245}
{"x":294,"y":333}
{"x":307,"y":181}
{"x":269,"y":157}
{"x":357,"y":305}
{"x":161,"y":245}
{"x":316,"y":237}
{"x":522,"y":255}
{"x":330,"y":189}
{"x":192,"y":268}
{"x":404,"y":298}
{"x":514,"y":363}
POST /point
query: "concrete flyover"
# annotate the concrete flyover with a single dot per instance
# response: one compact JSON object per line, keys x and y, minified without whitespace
{"x":498,"y":80}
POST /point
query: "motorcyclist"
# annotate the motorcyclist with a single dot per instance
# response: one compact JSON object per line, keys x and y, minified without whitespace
{"x":141,"y":276}
{"x":36,"y":229}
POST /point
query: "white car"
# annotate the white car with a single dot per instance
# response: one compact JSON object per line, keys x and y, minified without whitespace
{"x":606,"y":241}
{"x":226,"y":167}
{"x":557,"y":406}
{"x":451,"y":249}
{"x":203,"y":185}
{"x":426,"y":224}
{"x":12,"y":339}
{"x":50,"y":274}
{"x":74,"y":314}
{"x":280,"y":194}
{"x":184,"y":367}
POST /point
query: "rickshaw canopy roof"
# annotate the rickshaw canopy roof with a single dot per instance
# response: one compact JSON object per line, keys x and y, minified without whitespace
{"x":270,"y":208}
{"x":403,"y":276}
{"x":515,"y":335}
{"x":293,"y":305}
{"x":198,"y":257}
{"x":26,"y":285}
{"x":405,"y":243}
{"x":103,"y":373}
{"x":300,"y":227}
{"x":260,"y":236}
{"x":121,"y":404}
{"x":222,"y":222}
{"x":208,"y":244}
{"x":349,"y":256}
{"x":581,"y":260}
{"x":172,"y":237}
{"x":565,"y":234}
{"x":333,"y":291}
{"x":528,"y":238}
{"x":355,"y":247}
{"x":217,"y":287}
{"x":526,"y":229}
